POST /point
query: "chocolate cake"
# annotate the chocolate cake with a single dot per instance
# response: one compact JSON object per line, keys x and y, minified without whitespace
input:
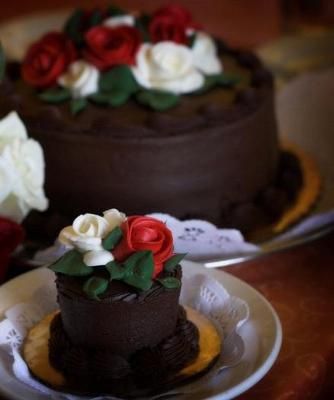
{"x":209,"y":152}
{"x":120,"y":329}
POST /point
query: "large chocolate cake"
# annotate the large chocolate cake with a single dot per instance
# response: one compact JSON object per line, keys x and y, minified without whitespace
{"x":211,"y":152}
{"x":120,"y":329}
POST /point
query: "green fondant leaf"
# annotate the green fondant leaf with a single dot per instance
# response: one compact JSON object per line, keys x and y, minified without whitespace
{"x":170,"y":282}
{"x":118,"y":78}
{"x":71,"y":263}
{"x":116,"y":270}
{"x":114,"y":98}
{"x":173,"y":262}
{"x":139,"y":282}
{"x":115,"y":11}
{"x":100,"y":98}
{"x":95,"y":286}
{"x":158,"y":100}
{"x":227,"y":80}
{"x":2,"y":63}
{"x":112,"y":239}
{"x":55,"y":95}
{"x":96,"y":18}
{"x":140,"y":264}
{"x":72,"y":27}
{"x":141,"y":24}
{"x":78,"y":105}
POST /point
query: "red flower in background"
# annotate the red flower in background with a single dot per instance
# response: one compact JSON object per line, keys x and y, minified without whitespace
{"x":47,"y":59}
{"x":170,"y":23}
{"x":11,"y":235}
{"x":107,"y":46}
{"x":145,"y":233}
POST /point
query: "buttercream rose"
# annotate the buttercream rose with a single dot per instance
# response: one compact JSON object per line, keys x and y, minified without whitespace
{"x":47,"y":59}
{"x":119,"y":20}
{"x":107,"y":46}
{"x":86,"y":235}
{"x":170,"y":23}
{"x":145,"y":233}
{"x":205,"y":54}
{"x":167,"y":66}
{"x":81,"y":78}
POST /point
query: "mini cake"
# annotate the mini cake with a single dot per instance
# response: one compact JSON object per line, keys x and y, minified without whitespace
{"x":150,"y":113}
{"x":120,"y":329}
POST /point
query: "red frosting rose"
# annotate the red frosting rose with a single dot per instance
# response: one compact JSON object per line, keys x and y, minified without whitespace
{"x":108,"y":46}
{"x":11,"y":235}
{"x":145,"y":233}
{"x":47,"y":59}
{"x":170,"y":23}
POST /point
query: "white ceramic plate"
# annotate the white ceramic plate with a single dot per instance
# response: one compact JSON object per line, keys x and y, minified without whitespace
{"x":262,"y":335}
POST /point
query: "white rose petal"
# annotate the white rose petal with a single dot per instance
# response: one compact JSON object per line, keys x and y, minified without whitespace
{"x":99,"y":257}
{"x":114,"y":218}
{"x":205,"y":55}
{"x":26,"y":160}
{"x":120,"y":20}
{"x":11,"y":127}
{"x":81,"y":78}
{"x":167,"y":66}
{"x":6,"y":179}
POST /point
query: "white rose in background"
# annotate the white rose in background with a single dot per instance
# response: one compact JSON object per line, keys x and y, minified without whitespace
{"x":205,"y":54}
{"x":87,"y":233}
{"x":21,"y":170}
{"x":119,"y":20}
{"x":81,"y":78}
{"x":167,"y":66}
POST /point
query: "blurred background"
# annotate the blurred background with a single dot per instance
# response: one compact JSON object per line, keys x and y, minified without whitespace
{"x":246,"y":23}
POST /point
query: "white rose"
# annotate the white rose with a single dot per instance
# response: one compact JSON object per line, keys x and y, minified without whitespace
{"x":26,"y":162}
{"x":205,"y":54}
{"x":87,"y":233}
{"x":81,"y":78}
{"x":167,"y":66}
{"x":6,"y":179}
{"x":11,"y":127}
{"x":119,"y":20}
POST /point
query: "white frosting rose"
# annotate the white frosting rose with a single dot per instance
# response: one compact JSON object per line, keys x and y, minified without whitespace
{"x":81,"y":78}
{"x":87,"y":233}
{"x":205,"y":54}
{"x":11,"y":127}
{"x":119,"y":20}
{"x":167,"y":66}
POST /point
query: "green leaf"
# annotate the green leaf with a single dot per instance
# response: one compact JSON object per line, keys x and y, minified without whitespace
{"x":141,"y":24}
{"x":139,"y":282}
{"x":77,"y":105}
{"x":227,"y":80}
{"x":116,"y":270}
{"x":112,"y":239}
{"x":170,"y":282}
{"x":72,"y":27}
{"x":114,"y":98}
{"x":173,"y":262}
{"x":71,"y":263}
{"x":2,"y":63}
{"x":114,"y":11}
{"x":96,"y":18}
{"x":95,"y":286}
{"x":158,"y":100}
{"x":55,"y":95}
{"x":118,"y":78}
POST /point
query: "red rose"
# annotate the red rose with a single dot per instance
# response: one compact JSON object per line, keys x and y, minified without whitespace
{"x":111,"y":46}
{"x":145,"y":233}
{"x":11,"y":235}
{"x":170,"y":23}
{"x":47,"y":59}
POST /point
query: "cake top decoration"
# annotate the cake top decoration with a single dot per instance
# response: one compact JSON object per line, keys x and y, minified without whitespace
{"x":109,"y":57}
{"x":136,"y":250}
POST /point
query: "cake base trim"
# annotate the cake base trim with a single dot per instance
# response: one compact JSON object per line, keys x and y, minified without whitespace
{"x":36,"y":352}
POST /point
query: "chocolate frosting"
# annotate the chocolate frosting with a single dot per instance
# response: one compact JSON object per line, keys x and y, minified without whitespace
{"x":198,"y":159}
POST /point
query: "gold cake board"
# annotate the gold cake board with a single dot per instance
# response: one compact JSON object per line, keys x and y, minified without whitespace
{"x":306,"y":197}
{"x":36,"y":351}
